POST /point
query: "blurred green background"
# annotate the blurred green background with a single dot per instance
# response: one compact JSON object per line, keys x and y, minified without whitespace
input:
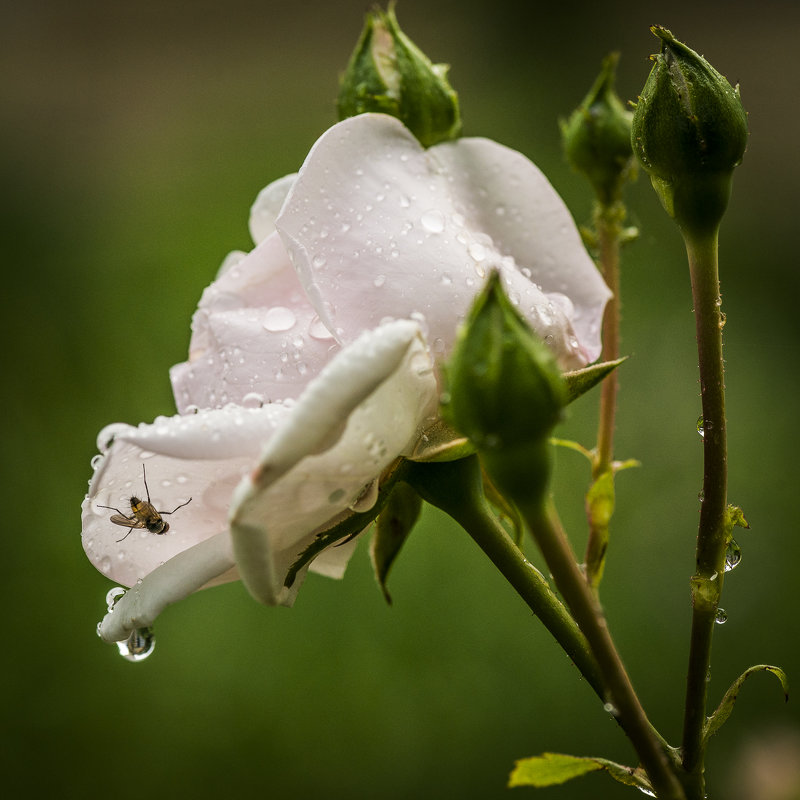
{"x":133,"y":138}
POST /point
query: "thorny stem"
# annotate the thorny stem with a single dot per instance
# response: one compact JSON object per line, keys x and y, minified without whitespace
{"x":607,"y":220}
{"x":607,"y":223}
{"x":712,"y":534}
{"x":586,"y":610}
{"x":456,"y":488}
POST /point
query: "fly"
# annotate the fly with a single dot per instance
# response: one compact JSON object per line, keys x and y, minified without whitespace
{"x":143,"y":514}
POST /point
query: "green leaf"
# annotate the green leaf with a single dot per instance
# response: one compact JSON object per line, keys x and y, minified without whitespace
{"x":551,"y":769}
{"x":580,"y":381}
{"x":392,"y":528}
{"x":720,"y":716}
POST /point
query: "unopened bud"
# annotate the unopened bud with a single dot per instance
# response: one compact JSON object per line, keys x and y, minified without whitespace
{"x":597,"y":136}
{"x":389,"y":74}
{"x":689,"y":133}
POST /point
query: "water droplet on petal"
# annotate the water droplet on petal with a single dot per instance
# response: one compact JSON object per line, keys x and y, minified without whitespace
{"x":733,"y":555}
{"x":433,"y":221}
{"x":252,"y":400}
{"x":114,"y":595}
{"x":138,"y":646}
{"x":279,"y":318}
{"x":336,"y":496}
{"x":477,"y":251}
{"x":379,"y":281}
{"x":721,"y":616}
{"x":317,"y":330}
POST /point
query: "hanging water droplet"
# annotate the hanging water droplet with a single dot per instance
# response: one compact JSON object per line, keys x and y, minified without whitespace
{"x":721,"y":617}
{"x":646,"y":791}
{"x":701,"y":426}
{"x":279,"y":318}
{"x":433,"y":221}
{"x":138,"y":646}
{"x":733,"y":555}
{"x":114,"y":595}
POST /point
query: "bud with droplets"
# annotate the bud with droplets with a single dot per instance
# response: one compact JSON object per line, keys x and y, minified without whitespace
{"x":597,"y":136}
{"x":689,"y":133}
{"x":389,"y":74}
{"x":506,"y":393}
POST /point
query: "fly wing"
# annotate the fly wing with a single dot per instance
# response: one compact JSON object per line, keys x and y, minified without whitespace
{"x":126,"y":522}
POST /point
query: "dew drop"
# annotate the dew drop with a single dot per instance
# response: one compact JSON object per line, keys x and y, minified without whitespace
{"x":646,"y":791}
{"x":379,"y":281}
{"x":433,"y":221}
{"x":114,"y":595}
{"x":279,"y":318}
{"x":477,"y":251}
{"x":721,"y":616}
{"x":733,"y":555}
{"x":336,"y":496}
{"x":252,"y":400}
{"x":317,"y":330}
{"x":138,"y":646}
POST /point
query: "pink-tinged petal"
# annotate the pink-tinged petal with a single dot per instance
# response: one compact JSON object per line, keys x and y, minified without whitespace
{"x":200,"y":566}
{"x":199,"y":456}
{"x":379,"y":228}
{"x":365,"y":409}
{"x":507,"y":197}
{"x":255,"y":338}
{"x":267,"y":206}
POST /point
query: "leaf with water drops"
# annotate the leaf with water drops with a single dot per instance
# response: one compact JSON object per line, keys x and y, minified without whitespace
{"x":552,"y":769}
{"x":720,"y":716}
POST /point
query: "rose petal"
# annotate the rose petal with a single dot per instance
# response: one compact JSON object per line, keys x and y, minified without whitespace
{"x":363,"y":411}
{"x":267,"y":206}
{"x":183,"y":574}
{"x":255,"y":339}
{"x":379,"y":228}
{"x":506,"y":196}
{"x":202,"y":456}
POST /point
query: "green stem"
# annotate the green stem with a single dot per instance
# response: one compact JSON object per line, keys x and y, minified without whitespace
{"x":586,"y":610}
{"x":456,"y":487}
{"x":712,"y":535}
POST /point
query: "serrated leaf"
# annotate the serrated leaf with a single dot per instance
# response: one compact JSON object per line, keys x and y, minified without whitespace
{"x":720,"y":716}
{"x":581,"y":380}
{"x":552,"y":769}
{"x":392,"y":528}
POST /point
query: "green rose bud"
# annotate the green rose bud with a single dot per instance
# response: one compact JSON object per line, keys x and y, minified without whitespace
{"x":597,"y":136}
{"x":689,"y":133}
{"x":506,"y":392}
{"x":389,"y":74}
